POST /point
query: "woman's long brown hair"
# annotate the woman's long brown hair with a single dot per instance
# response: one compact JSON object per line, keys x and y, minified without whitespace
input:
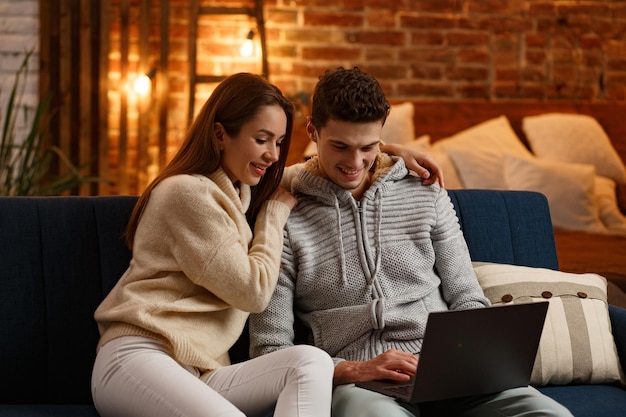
{"x":233,"y":103}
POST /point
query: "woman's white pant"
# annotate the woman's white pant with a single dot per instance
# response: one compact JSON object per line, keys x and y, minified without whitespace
{"x":136,"y":377}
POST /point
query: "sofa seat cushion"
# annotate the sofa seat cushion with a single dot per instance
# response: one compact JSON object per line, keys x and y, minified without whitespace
{"x":589,"y":400}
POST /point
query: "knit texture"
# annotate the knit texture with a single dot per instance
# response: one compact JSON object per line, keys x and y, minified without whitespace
{"x":196,"y":270}
{"x":363,"y":275}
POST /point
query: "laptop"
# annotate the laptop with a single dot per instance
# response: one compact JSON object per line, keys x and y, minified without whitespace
{"x":472,"y":352}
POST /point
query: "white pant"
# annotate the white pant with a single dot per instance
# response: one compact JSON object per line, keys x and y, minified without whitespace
{"x":350,"y":401}
{"x":137,"y":377}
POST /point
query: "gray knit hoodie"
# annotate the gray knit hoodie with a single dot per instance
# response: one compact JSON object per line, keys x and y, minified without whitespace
{"x":363,"y":275}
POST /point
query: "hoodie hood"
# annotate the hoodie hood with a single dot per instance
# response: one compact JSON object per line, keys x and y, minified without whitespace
{"x":310,"y":180}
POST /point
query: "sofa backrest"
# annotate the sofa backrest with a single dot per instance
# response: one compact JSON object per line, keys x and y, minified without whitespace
{"x":509,"y":227}
{"x":59,"y":256}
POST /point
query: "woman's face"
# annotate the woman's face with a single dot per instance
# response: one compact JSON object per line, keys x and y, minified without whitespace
{"x":248,"y":155}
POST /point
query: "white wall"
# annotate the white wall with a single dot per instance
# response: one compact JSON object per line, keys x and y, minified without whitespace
{"x":19,"y":32}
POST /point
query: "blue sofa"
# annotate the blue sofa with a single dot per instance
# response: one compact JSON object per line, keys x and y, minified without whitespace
{"x":59,"y":256}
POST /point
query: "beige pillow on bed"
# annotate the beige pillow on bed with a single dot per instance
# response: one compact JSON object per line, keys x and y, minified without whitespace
{"x":493,"y":135}
{"x":450,"y":174}
{"x":577,"y":344}
{"x":569,"y":189}
{"x":491,"y":138}
{"x":479,"y":168}
{"x":574,"y":138}
{"x":399,"y":126}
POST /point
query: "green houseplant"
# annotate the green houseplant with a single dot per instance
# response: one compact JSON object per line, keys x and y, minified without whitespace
{"x":26,"y":162}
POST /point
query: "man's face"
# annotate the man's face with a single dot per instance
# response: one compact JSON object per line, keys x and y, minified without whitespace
{"x":347,"y":151}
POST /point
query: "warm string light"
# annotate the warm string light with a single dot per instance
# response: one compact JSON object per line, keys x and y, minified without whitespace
{"x":247,"y":48}
{"x":143,"y":83}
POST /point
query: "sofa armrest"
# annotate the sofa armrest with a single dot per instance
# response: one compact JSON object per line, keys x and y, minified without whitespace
{"x":618,"y":324}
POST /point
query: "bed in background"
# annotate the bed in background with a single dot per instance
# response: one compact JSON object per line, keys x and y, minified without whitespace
{"x":586,"y":250}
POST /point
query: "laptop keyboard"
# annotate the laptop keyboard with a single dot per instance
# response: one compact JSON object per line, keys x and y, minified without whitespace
{"x":400,"y":389}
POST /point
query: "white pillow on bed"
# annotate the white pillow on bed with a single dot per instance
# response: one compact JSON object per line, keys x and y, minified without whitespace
{"x":574,"y":138}
{"x":479,"y":168}
{"x":494,"y":135}
{"x":568,"y":187}
{"x":450,"y":174}
{"x":471,"y":152}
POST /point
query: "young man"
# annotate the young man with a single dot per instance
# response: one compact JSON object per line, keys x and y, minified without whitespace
{"x":368,"y":253}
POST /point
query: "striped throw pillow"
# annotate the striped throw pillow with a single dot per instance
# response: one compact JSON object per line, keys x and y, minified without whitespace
{"x":577,"y":343}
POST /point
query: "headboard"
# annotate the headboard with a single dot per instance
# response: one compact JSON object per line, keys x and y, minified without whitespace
{"x":441,"y":119}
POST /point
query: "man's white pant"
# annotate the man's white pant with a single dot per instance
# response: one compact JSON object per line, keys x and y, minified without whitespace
{"x":352,"y":401}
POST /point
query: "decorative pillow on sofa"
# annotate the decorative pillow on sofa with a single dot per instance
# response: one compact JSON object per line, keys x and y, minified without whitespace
{"x":574,"y":138}
{"x":577,"y":344}
{"x":569,"y":189}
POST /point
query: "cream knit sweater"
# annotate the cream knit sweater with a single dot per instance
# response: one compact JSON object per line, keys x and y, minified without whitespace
{"x":197,"y":271}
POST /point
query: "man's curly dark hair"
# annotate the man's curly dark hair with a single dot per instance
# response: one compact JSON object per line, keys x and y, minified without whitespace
{"x":348,"y":95}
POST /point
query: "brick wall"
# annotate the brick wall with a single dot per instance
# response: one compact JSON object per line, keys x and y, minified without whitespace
{"x":19,"y":32}
{"x":429,"y":49}
{"x":495,"y":49}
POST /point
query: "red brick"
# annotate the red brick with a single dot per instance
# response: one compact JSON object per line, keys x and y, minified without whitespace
{"x":281,"y":16}
{"x":333,"y":19}
{"x":425,"y":89}
{"x":334,"y":53}
{"x":426,"y":72}
{"x":386,"y":71}
{"x":593,"y":58}
{"x":467,"y":74}
{"x":533,"y":74}
{"x":595,"y":9}
{"x":466,"y":38}
{"x":536,"y":56}
{"x":473,"y":91}
{"x":541,"y":8}
{"x":427,"y":38}
{"x":497,"y":24}
{"x":381,"y":19}
{"x":590,"y":41}
{"x":563,"y":56}
{"x":428,"y":56}
{"x":394,"y":38}
{"x":497,"y":6}
{"x":473,"y":56}
{"x":428,"y":22}
{"x":507,"y":74}
{"x":436,"y":6}
{"x":535,"y":40}
{"x":379,"y":54}
{"x":506,"y":90}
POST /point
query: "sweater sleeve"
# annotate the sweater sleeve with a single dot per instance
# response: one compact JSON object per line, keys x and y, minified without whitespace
{"x":208,"y":236}
{"x":459,"y":283}
{"x":273,"y":329}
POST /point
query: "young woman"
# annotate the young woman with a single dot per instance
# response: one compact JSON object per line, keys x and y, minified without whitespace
{"x":198,"y":270}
